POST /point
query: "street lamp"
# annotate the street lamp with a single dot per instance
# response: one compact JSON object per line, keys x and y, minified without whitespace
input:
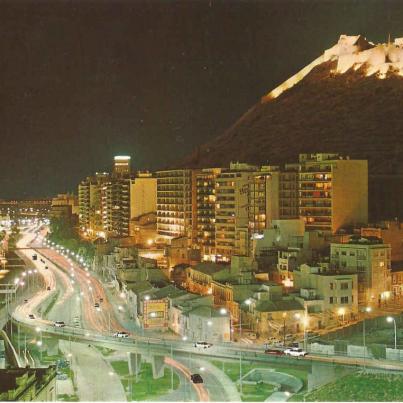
{"x":391,"y":319}
{"x":366,"y":310}
{"x":248,"y":302}
{"x":341,"y":313}
{"x":284,"y":316}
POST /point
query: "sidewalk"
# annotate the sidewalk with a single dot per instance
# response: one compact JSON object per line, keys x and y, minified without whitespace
{"x":94,"y":377}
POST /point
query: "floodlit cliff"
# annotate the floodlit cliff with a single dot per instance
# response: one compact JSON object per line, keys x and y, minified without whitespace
{"x":348,"y":100}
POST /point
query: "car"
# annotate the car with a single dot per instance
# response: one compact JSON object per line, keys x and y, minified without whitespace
{"x":34,"y":257}
{"x":25,"y":301}
{"x":295,"y":352}
{"x":42,"y":261}
{"x":48,"y":288}
{"x":31,"y":316}
{"x":96,"y":305}
{"x":196,"y":378}
{"x":59,"y":323}
{"x":46,"y":267}
{"x":273,"y":351}
{"x":202,"y":344}
{"x":123,"y":335}
{"x":101,"y":300}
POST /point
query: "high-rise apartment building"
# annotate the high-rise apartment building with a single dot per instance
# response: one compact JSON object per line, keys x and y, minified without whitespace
{"x":90,"y":203}
{"x":116,"y":206}
{"x":121,"y":166}
{"x":205,"y":211}
{"x":273,"y":195}
{"x":232,"y":210}
{"x":176,"y":203}
{"x":107,"y":202}
{"x":288,"y":193}
{"x":333,"y":192}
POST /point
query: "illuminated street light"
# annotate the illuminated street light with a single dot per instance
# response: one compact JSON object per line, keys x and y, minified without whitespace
{"x":391,"y":319}
{"x":38,"y":329}
{"x":184,"y":338}
{"x":223,"y":311}
{"x":147,"y":297}
{"x":209,"y":323}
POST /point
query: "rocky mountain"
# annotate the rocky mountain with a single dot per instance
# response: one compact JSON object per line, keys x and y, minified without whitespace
{"x":349,"y":100}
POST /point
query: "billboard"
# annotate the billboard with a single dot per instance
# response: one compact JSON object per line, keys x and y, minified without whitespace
{"x":155,"y":313}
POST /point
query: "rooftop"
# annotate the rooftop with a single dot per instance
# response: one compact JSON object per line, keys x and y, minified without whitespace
{"x":278,"y":305}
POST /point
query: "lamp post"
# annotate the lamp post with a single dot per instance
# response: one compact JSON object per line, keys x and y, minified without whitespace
{"x":342,"y":312}
{"x":366,"y":310}
{"x":247,"y":302}
{"x":391,"y":319}
{"x":284,"y":316}
{"x":39,"y":342}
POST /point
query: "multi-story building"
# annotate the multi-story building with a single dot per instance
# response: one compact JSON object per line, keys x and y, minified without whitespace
{"x":273,"y":195}
{"x":232,"y":210}
{"x":288,"y":194}
{"x":333,"y":192}
{"x":370,"y":259}
{"x":116,"y":206}
{"x":176,"y":203}
{"x":107,"y":202}
{"x":121,"y":166}
{"x":205,"y":211}
{"x":90,"y":203}
{"x":333,"y":295}
{"x":143,"y":194}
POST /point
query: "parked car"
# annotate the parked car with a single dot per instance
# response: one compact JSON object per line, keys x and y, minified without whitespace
{"x":295,"y":352}
{"x":196,"y":378}
{"x":25,"y":301}
{"x":48,"y":288}
{"x":46,"y":267}
{"x":101,"y":300}
{"x":59,"y":323}
{"x":121,"y":335}
{"x":31,"y":316}
{"x":202,"y":344}
{"x":273,"y":351}
{"x":34,"y":257}
{"x":96,"y":305}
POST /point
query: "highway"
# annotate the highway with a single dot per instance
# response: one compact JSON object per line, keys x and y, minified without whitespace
{"x":78,"y":293}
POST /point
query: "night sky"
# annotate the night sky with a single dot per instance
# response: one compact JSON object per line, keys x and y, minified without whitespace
{"x":82,"y":81}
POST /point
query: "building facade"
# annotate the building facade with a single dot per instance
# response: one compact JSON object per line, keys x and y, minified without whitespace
{"x":176,"y":203}
{"x":370,"y":258}
{"x":333,"y":192}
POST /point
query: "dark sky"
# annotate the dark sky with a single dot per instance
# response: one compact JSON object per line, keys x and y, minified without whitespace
{"x":82,"y":81}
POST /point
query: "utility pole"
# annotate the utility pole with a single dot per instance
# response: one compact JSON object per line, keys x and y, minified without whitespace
{"x":172,"y":370}
{"x":240,"y":373}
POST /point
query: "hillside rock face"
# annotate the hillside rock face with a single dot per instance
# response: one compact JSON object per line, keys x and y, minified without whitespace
{"x":349,"y":100}
{"x":347,"y":113}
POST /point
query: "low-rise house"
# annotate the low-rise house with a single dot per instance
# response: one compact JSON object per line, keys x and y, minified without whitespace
{"x":206,"y":323}
{"x":329,"y":296}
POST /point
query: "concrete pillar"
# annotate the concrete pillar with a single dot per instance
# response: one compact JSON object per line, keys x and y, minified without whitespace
{"x":158,"y":366}
{"x":52,"y":345}
{"x":134,"y":361}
